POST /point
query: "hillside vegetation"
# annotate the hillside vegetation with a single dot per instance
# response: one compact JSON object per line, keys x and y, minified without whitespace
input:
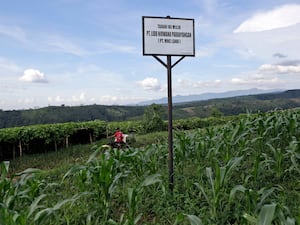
{"x":225,"y":106}
{"x":63,"y":114}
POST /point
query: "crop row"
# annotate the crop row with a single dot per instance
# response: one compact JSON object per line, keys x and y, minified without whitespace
{"x":244,"y":172}
{"x":17,"y":141}
{"x":14,"y":141}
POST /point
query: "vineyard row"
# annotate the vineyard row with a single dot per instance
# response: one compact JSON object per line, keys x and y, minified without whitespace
{"x":17,"y":141}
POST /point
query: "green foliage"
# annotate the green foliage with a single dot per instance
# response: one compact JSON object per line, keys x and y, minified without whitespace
{"x":39,"y":138}
{"x":153,"y":118}
{"x":243,"y":172}
{"x":48,"y":135}
{"x":21,"y":196}
{"x":64,"y":114}
{"x":216,"y":112}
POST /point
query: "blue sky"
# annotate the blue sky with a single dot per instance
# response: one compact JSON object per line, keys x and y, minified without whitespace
{"x":82,"y":52}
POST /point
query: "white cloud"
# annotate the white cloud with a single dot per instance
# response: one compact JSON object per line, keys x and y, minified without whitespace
{"x":34,"y":76}
{"x":38,"y":41}
{"x":118,"y":100}
{"x":8,"y":66}
{"x":13,"y":32}
{"x":284,"y":16}
{"x":115,"y":47}
{"x":108,"y":99}
{"x":56,"y":99}
{"x":238,"y":81}
{"x":255,"y":81}
{"x":264,"y":45}
{"x":150,"y":83}
{"x":270,"y":76}
{"x":209,"y":5}
{"x":280,"y":68}
{"x":190,"y":84}
{"x":205,"y":52}
{"x":80,"y":98}
{"x":73,"y":100}
{"x":245,"y":53}
{"x":62,"y":44}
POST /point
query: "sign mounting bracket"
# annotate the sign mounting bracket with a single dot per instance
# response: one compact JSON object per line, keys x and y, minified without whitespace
{"x":164,"y":64}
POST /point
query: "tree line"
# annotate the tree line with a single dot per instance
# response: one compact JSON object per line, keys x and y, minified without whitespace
{"x":63,"y":114}
{"x":214,"y":107}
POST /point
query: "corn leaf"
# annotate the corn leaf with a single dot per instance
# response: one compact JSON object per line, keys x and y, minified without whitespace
{"x":194,"y":220}
{"x":266,"y":214}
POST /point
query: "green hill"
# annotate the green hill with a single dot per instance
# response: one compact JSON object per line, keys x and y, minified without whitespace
{"x":237,"y":105}
{"x":221,"y":106}
{"x":61,"y":114}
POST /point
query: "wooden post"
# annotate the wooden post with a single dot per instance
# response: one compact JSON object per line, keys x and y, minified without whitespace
{"x":55,"y":145}
{"x":14,"y":151}
{"x":20,"y":148}
{"x":67,"y":141}
{"x":91,"y":137}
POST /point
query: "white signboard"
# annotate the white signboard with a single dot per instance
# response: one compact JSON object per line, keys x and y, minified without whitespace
{"x":168,"y":36}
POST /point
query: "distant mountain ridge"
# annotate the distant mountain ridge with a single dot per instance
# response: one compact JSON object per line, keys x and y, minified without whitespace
{"x":210,"y":95}
{"x":241,"y":102}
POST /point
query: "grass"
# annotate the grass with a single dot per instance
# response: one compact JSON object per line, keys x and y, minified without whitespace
{"x":52,"y":160}
{"x":245,"y":172}
{"x":77,"y":154}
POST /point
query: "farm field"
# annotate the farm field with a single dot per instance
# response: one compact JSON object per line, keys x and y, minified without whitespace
{"x":242,"y":172}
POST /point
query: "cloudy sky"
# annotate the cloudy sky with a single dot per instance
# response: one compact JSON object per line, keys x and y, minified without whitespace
{"x":79,"y":52}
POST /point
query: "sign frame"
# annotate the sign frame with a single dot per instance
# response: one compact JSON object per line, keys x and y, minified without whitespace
{"x":189,"y":33}
{"x":167,"y":39}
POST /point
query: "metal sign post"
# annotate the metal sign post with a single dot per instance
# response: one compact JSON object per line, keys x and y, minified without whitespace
{"x":169,"y":67}
{"x":170,"y":124}
{"x":170,"y":37}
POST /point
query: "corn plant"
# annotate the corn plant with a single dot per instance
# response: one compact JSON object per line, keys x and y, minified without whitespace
{"x":277,"y":160}
{"x":151,"y":158}
{"x":252,"y":199}
{"x":243,"y":172}
{"x":293,"y":153}
{"x":100,"y":177}
{"x":257,"y":207}
{"x":20,"y":197}
{"x":134,"y":200}
{"x":268,"y":215}
{"x":216,"y":191}
{"x":193,"y":220}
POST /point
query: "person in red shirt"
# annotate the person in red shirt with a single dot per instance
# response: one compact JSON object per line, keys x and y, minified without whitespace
{"x":119,"y":139}
{"x":118,"y":136}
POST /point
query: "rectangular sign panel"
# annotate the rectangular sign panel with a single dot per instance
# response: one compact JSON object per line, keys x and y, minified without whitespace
{"x":168,"y":36}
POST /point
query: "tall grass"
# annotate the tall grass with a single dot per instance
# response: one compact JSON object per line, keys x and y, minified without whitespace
{"x":245,"y":172}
